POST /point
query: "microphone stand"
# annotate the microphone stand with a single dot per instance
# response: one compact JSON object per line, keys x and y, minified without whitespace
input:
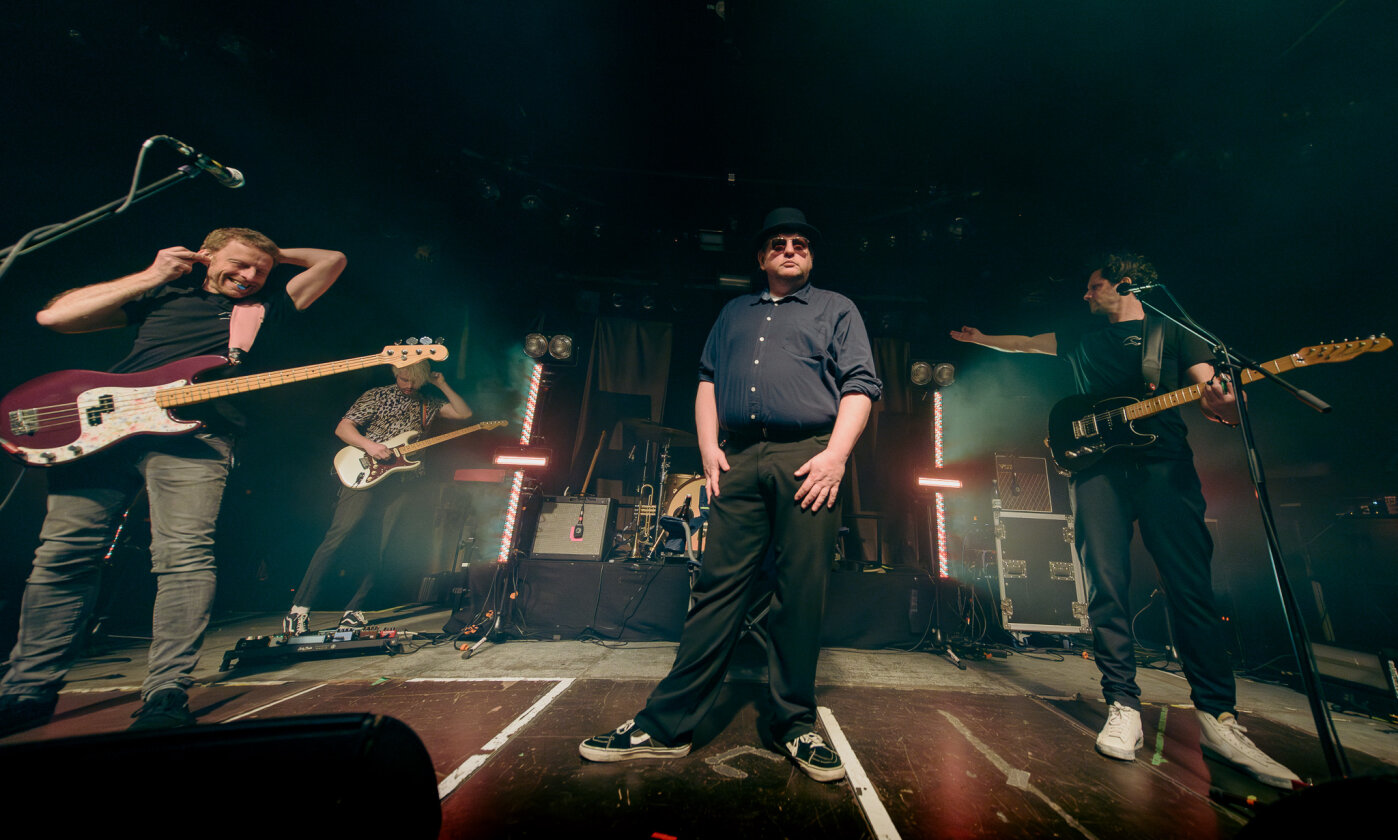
{"x":1234,"y":363}
{"x":41,"y":236}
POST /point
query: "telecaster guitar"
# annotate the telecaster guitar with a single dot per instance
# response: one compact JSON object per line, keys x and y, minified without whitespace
{"x":1082,"y":429}
{"x":358,"y":470}
{"x":69,"y":414}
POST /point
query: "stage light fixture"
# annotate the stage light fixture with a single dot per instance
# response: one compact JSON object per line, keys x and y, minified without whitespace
{"x":937,"y":482}
{"x":561,"y":347}
{"x":535,"y":345}
{"x":936,"y":374}
{"x":522,"y":457}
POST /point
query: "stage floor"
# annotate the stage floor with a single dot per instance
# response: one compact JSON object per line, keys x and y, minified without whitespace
{"x":1002,"y":748}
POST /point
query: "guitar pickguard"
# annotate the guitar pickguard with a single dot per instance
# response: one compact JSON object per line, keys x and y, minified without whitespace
{"x":99,"y":417}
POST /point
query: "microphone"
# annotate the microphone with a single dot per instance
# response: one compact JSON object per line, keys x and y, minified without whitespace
{"x":226,"y":175}
{"x":1127,"y":288}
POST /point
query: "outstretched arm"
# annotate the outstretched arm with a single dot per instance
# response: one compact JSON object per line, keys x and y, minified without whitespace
{"x":1045,"y":343}
{"x":99,"y":306}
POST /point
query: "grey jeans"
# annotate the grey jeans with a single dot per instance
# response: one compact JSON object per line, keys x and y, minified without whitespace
{"x":184,"y":478}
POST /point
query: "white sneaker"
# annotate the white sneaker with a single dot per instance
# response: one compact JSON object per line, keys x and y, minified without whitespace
{"x":1222,"y":737}
{"x":1122,"y":735}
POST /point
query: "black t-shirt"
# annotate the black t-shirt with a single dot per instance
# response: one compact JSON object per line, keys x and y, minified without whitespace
{"x":1106,"y":362}
{"x":181,"y":320}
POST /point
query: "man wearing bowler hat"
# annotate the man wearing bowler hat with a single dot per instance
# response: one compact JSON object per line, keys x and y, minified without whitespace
{"x":786,"y":384}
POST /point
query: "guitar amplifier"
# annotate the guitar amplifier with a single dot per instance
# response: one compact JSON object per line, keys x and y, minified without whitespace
{"x":1023,"y":483}
{"x":573,"y":528}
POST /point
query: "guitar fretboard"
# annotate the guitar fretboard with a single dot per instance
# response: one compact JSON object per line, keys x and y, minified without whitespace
{"x":205,"y":391}
{"x":1189,"y":394}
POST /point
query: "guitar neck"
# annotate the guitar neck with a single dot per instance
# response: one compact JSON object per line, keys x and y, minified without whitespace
{"x":433,"y":441}
{"x":205,"y":391}
{"x":1184,"y":396}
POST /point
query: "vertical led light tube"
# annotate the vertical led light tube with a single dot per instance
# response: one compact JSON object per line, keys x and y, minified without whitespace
{"x":937,"y":461}
{"x":527,"y":429}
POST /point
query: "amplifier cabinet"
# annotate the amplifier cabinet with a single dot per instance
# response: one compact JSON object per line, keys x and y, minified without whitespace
{"x":1042,"y":588}
{"x":573,"y":528}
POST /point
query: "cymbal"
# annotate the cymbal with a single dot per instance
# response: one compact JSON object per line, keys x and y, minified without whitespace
{"x":650,"y":430}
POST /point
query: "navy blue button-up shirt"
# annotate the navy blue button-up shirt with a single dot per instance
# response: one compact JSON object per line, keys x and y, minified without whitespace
{"x":784,"y":365}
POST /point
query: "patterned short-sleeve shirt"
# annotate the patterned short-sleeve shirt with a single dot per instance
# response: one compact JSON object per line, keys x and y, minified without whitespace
{"x":384,"y":412}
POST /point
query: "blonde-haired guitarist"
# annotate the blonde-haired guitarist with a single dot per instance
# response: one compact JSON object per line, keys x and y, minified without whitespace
{"x":378,"y":415}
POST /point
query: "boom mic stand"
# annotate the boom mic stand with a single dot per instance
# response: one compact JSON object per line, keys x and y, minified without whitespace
{"x":41,"y":236}
{"x":1234,"y":363}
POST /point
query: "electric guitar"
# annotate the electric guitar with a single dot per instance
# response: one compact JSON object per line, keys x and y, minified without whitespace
{"x":358,"y":469}
{"x":69,"y":414}
{"x":1083,"y":429}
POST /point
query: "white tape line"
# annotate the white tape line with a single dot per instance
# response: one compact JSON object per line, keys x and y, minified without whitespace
{"x":275,"y":702}
{"x":864,"y":791}
{"x":474,"y":763}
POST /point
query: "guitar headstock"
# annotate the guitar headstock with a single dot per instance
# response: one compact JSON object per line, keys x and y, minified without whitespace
{"x":413,"y":350}
{"x":1341,"y":351}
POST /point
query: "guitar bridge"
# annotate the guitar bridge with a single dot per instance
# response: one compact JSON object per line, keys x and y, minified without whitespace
{"x":24,"y":421}
{"x":1085,"y":428}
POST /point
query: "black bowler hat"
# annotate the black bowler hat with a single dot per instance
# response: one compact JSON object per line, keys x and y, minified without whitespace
{"x":784,"y":220}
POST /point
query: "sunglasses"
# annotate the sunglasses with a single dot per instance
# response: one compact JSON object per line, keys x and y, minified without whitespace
{"x":798,"y":244}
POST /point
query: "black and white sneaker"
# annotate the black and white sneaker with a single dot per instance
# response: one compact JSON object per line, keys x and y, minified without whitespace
{"x":296,"y":624}
{"x":625,"y":743}
{"x":353,"y":620}
{"x":815,"y":758}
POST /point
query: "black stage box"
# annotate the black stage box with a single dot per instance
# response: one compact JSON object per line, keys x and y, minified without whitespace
{"x":573,"y":528}
{"x":648,"y":601}
{"x":1042,"y":586}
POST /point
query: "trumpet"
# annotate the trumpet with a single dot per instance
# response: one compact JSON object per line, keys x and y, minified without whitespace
{"x":643,"y":520}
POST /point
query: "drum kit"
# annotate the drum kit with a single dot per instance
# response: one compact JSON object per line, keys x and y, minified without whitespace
{"x":661,"y":528}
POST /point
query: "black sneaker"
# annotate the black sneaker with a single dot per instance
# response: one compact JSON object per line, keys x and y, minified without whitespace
{"x":165,"y":709}
{"x":820,"y":762}
{"x":627,"y":742}
{"x":353,"y":620}
{"x":19,"y":712}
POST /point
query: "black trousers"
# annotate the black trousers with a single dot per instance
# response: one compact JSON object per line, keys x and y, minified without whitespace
{"x":754,"y":511}
{"x":380,"y":505}
{"x":1165,"y":498}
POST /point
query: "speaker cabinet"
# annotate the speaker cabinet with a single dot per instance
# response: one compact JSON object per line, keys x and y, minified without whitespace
{"x":216,"y":780}
{"x":573,"y":528}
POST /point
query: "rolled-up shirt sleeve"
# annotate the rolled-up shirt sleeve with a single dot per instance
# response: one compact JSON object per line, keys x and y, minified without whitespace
{"x":853,"y":357}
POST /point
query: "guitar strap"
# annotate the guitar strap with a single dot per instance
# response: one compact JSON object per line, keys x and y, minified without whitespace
{"x":243,"y":325}
{"x":1152,"y":352}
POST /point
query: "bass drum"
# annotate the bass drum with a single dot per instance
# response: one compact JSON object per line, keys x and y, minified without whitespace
{"x":688,"y":488}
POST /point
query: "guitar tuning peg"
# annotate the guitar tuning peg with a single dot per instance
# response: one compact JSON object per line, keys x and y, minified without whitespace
{"x":398,"y":343}
{"x":426,"y":339}
{"x":440,"y":340}
{"x":411,"y":341}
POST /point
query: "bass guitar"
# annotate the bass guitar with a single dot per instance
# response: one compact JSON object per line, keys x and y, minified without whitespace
{"x":358,"y":469}
{"x":70,"y":414}
{"x":1083,"y":429}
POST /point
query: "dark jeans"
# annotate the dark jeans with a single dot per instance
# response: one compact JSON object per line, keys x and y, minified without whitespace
{"x":754,"y":511}
{"x":381,"y":504}
{"x":1164,"y":497}
{"x":184,"y":478}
